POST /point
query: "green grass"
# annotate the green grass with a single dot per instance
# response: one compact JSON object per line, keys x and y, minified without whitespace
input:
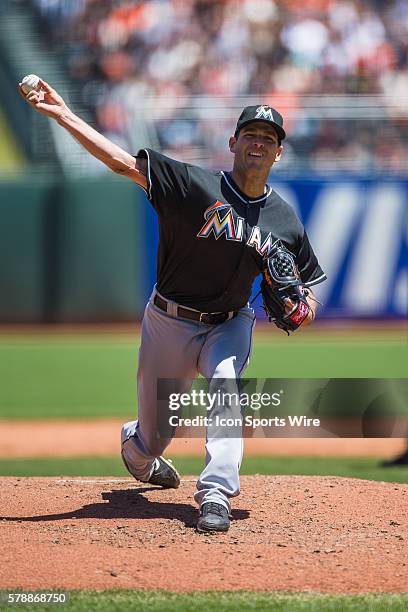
{"x":356,"y":467}
{"x":87,"y":376}
{"x":329,"y":359}
{"x":117,"y":601}
{"x":67,"y":377}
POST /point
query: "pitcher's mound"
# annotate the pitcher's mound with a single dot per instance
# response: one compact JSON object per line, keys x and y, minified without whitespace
{"x":289,"y":533}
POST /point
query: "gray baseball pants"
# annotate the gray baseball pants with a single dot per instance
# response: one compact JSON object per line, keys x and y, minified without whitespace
{"x":176,"y":348}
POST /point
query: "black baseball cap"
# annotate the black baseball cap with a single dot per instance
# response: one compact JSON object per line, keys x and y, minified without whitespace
{"x":265,"y":113}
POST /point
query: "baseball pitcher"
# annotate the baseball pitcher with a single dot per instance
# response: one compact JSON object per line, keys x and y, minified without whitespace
{"x":219,"y":230}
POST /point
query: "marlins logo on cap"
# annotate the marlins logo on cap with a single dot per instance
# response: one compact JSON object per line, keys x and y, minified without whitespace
{"x":262,"y":112}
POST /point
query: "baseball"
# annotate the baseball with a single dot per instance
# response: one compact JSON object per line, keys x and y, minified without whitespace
{"x":30,"y":82}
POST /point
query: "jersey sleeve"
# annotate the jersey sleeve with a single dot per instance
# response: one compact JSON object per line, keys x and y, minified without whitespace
{"x":309,"y":268}
{"x":168,"y":181}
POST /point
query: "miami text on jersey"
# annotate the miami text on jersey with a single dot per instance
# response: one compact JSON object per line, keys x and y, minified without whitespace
{"x":223,"y":224}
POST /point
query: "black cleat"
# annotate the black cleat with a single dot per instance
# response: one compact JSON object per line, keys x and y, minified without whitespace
{"x":399,"y":460}
{"x":165,"y":475}
{"x":213,"y":517}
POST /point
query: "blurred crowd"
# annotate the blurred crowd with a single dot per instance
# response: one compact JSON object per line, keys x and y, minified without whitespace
{"x":173,"y":62}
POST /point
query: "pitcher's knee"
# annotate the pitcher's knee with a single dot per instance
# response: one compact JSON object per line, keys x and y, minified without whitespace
{"x":147,"y":444}
{"x":135,"y":462}
{"x":128,"y":430}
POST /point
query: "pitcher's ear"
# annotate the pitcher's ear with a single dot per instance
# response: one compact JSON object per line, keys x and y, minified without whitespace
{"x":231,"y":143}
{"x":279,"y":153}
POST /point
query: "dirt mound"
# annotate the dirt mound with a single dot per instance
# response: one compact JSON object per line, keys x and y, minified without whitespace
{"x":289,"y":533}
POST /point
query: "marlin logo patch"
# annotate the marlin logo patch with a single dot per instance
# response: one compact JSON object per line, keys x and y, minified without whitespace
{"x":220,"y":221}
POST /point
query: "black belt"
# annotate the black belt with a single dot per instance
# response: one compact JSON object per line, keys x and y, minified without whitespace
{"x":194,"y":315}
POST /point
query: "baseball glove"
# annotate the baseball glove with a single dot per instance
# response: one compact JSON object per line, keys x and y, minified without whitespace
{"x":284,"y":297}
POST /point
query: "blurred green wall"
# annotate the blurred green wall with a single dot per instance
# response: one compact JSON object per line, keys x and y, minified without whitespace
{"x":71,"y":250}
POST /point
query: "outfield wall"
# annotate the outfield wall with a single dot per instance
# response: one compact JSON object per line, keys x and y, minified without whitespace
{"x":71,"y":251}
{"x":85,"y":250}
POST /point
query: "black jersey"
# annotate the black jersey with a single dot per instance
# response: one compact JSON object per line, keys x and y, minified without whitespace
{"x":213,"y":238}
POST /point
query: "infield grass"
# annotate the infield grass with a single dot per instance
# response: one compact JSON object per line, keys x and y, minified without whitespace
{"x":88,"y":375}
{"x":117,"y":601}
{"x":364,"y":468}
